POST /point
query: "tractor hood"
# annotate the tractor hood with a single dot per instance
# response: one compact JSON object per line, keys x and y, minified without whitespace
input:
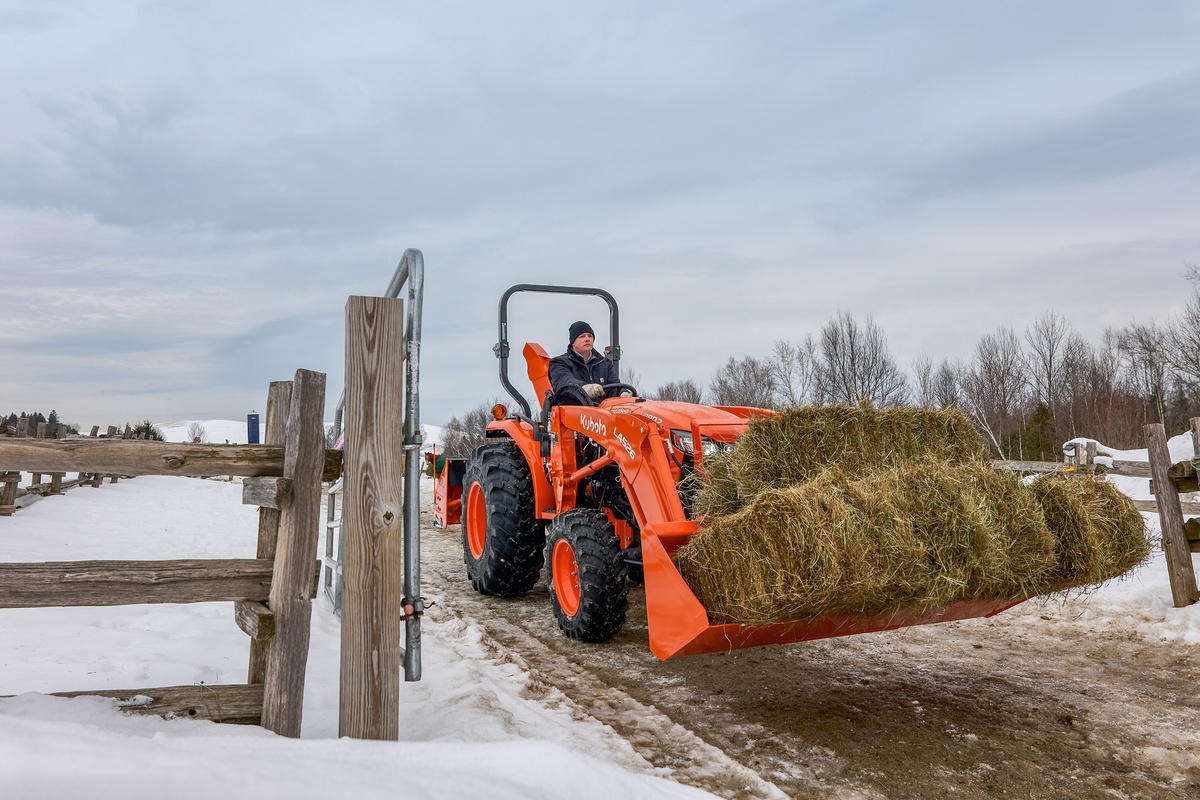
{"x":719,"y":423}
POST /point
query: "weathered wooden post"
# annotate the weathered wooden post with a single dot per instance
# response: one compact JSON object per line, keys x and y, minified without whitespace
{"x":8,"y":492}
{"x":279,"y":401}
{"x":1170,"y":515}
{"x":23,"y":427}
{"x":372,"y":577}
{"x":295,"y":577}
{"x":41,"y":434}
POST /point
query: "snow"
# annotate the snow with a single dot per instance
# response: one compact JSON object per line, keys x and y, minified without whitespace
{"x":1142,"y":600}
{"x":1180,"y":447}
{"x":219,"y":431}
{"x":473,"y":726}
{"x":470,"y":727}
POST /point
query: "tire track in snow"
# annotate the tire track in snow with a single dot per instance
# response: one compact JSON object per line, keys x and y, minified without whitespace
{"x":672,"y":749}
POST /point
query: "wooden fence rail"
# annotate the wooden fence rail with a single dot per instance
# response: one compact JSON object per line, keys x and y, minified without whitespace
{"x":272,"y":593}
{"x":153,"y":458}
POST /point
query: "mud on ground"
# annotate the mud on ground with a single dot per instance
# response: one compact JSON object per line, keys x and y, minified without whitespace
{"x":1030,"y":704}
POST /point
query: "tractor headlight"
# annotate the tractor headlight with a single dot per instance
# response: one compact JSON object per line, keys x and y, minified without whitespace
{"x":682,"y":440}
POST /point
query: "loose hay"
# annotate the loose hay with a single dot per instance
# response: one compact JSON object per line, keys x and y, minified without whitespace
{"x":798,"y":445}
{"x":914,"y":535}
{"x":838,"y":510}
{"x":1099,"y":532}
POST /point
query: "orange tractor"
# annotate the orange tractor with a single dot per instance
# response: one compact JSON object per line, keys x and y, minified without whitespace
{"x":600,"y":497}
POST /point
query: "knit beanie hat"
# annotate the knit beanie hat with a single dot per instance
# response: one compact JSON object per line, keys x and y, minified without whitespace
{"x":579,"y":328}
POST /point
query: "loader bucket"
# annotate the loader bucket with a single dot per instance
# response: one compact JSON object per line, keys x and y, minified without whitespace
{"x":679,"y":625}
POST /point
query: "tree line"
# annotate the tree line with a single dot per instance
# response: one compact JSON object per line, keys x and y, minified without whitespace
{"x":33,"y":419}
{"x":143,"y":430}
{"x":1027,"y":391}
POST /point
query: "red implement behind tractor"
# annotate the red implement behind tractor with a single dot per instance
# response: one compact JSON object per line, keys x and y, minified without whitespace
{"x":600,"y":496}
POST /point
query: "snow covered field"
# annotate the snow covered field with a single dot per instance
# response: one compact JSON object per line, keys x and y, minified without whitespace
{"x":474,"y":726}
{"x":470,"y":727}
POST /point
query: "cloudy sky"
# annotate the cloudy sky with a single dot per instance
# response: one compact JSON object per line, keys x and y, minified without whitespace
{"x":190,"y":191}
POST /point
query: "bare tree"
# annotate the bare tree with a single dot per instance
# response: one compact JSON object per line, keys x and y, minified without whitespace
{"x":462,"y":435}
{"x":1102,"y":400}
{"x":1046,"y":338}
{"x":1183,"y":337}
{"x":947,"y":384}
{"x":196,"y":432}
{"x":1078,"y":380}
{"x":331,"y":436}
{"x":1145,"y":351}
{"x":745,"y":382}
{"x":856,"y":366}
{"x":631,"y":376}
{"x":685,"y":391}
{"x":1191,"y":273}
{"x":794,"y":368}
{"x":995,"y":388}
{"x":924,"y":381}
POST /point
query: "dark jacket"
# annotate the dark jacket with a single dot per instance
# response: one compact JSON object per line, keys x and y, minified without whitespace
{"x":569,"y":372}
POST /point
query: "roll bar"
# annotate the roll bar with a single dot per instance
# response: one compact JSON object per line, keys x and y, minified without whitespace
{"x":501,"y":348}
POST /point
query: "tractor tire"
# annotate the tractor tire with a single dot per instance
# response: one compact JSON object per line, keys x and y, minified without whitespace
{"x":502,"y":538}
{"x":587,"y":575}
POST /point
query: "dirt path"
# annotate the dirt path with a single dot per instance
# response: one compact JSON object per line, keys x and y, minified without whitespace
{"x":1029,"y":705}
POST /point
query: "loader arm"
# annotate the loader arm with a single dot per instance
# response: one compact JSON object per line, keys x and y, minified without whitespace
{"x":677,"y":621}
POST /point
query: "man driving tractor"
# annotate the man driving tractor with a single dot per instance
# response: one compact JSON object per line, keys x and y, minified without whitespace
{"x":581,"y":376}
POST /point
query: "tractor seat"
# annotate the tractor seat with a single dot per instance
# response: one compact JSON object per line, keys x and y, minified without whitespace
{"x":538,"y":362}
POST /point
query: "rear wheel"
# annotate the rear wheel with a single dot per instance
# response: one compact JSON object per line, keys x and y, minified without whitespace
{"x":587,"y":575}
{"x":502,"y":539}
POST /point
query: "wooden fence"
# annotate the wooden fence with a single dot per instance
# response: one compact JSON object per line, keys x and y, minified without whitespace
{"x":272,"y":592}
{"x":1168,"y":480}
{"x":12,"y":496}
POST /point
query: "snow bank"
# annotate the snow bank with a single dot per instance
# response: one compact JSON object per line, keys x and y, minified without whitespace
{"x":1179,"y":446}
{"x":84,"y":747}
{"x":470,"y":727}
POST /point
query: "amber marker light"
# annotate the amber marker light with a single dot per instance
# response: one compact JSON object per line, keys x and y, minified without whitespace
{"x":499,"y":411}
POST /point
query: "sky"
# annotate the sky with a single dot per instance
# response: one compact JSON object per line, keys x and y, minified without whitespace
{"x":189,"y":192}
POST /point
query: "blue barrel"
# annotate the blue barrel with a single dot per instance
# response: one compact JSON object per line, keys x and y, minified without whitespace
{"x":252,"y":429}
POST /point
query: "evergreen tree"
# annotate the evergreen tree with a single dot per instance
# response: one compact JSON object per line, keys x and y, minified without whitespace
{"x":150,"y":430}
{"x":1038,"y":439}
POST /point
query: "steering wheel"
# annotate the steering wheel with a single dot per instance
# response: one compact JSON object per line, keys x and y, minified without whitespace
{"x":628,"y":386}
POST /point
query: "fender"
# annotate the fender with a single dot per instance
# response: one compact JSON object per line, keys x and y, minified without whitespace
{"x":522,"y":434}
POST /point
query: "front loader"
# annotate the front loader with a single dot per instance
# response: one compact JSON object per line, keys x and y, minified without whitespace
{"x":600,"y":496}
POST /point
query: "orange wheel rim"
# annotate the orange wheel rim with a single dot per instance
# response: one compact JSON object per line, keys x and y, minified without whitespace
{"x":565,"y":570}
{"x":476,"y":521}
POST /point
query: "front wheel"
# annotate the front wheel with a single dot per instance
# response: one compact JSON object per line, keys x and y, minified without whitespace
{"x":587,"y":575}
{"x":502,"y":539}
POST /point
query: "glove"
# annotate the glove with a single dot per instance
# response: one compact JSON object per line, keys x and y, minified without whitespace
{"x":626,"y":393}
{"x":593,"y":390}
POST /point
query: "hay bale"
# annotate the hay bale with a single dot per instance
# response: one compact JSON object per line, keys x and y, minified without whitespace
{"x":920,"y":533}
{"x":841,"y":510}
{"x":798,"y":445}
{"x":1098,"y":532}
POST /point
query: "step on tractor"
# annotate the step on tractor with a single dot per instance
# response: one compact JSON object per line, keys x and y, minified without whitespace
{"x":601,"y":497}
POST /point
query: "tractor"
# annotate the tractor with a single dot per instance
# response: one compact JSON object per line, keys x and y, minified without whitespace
{"x":601,"y":497}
